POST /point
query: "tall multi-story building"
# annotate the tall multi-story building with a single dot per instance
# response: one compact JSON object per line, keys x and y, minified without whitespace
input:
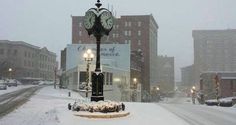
{"x":166,"y":74}
{"x":140,"y":31}
{"x":26,"y":61}
{"x":214,"y":50}
{"x":187,"y":76}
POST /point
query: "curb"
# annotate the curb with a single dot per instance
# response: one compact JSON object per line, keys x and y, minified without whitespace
{"x":102,"y":115}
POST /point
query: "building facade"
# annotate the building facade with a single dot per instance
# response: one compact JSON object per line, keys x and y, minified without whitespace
{"x":225,"y":80}
{"x":166,"y":74}
{"x":139,"y":31}
{"x":115,"y":65}
{"x":26,"y":61}
{"x":214,"y":50}
{"x":187,"y":77}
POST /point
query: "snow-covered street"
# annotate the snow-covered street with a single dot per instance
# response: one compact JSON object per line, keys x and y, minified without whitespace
{"x":12,"y":89}
{"x":49,"y":107}
{"x":203,"y":115}
{"x":12,"y":100}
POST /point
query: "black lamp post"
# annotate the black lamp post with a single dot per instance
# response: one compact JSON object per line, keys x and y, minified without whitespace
{"x":98,"y":21}
{"x":88,"y":57}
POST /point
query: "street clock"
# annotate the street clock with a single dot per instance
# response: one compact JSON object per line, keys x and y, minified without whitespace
{"x":99,"y":22}
{"x":89,"y":20}
{"x":106,"y":20}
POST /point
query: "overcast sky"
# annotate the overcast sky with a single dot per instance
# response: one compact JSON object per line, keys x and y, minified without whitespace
{"x":48,"y":22}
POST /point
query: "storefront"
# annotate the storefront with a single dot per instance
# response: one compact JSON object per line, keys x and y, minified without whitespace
{"x":115,"y":65}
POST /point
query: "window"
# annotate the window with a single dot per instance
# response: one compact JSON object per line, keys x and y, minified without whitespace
{"x":15,"y":52}
{"x":129,"y":33}
{"x":107,"y":78}
{"x":126,"y":41}
{"x":80,"y":24}
{"x":29,"y":54}
{"x":111,"y":77}
{"x":25,"y":63}
{"x":139,"y":42}
{"x":80,"y":33}
{"x":139,"y":33}
{"x":126,"y":33}
{"x":129,"y":24}
{"x":117,"y":35}
{"x":129,"y":41}
{"x":29,"y":64}
{"x":1,"y":51}
{"x":114,"y":35}
{"x":8,"y":51}
{"x":82,"y":76}
{"x":231,"y":84}
{"x":126,"y":24}
{"x":139,"y":24}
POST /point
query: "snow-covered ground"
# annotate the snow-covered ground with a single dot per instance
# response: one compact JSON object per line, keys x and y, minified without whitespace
{"x":13,"y":88}
{"x":49,"y":107}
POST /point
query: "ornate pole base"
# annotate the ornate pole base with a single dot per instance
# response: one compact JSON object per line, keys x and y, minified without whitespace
{"x":97,"y":98}
{"x":97,"y":86}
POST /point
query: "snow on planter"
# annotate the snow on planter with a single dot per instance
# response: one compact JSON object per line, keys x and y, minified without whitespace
{"x":100,"y":106}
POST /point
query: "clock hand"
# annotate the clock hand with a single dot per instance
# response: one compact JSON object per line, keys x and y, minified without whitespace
{"x":90,"y":19}
{"x":107,"y":19}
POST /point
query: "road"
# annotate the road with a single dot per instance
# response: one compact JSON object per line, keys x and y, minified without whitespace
{"x":12,"y":100}
{"x":202,"y":115}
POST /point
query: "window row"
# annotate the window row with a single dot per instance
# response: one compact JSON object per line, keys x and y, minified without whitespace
{"x":46,"y":58}
{"x":29,"y":54}
{"x":34,"y":65}
{"x":41,"y":75}
{"x":128,"y":33}
{"x":29,"y":63}
{"x":45,"y":66}
{"x":108,"y":78}
{"x":129,"y":24}
{"x":9,"y":52}
{"x":129,"y":42}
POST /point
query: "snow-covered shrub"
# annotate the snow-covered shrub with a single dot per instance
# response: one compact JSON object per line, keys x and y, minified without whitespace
{"x":101,"y":106}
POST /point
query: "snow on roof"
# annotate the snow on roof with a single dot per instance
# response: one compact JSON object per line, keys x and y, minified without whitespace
{"x":228,"y":78}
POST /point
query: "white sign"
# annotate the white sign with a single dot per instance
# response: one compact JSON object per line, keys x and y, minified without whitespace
{"x":114,"y":55}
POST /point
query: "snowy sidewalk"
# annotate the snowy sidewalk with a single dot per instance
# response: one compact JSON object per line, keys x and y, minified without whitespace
{"x":49,"y":107}
{"x":13,"y":88}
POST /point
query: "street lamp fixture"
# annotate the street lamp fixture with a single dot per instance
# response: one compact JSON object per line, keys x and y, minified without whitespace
{"x":134,"y":95}
{"x":193,"y":89}
{"x":10,"y":72}
{"x":135,"y":80}
{"x":10,"y":69}
{"x":88,"y":57}
{"x":135,"y":83}
{"x":157,"y":88}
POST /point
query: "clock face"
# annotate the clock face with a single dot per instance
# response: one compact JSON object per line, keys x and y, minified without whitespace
{"x":89,"y":20}
{"x":107,"y":20}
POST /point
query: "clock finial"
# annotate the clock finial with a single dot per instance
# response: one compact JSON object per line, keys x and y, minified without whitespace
{"x":98,"y":4}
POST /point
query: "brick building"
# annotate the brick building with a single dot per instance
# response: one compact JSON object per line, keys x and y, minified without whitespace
{"x":227,"y":84}
{"x":140,"y":31}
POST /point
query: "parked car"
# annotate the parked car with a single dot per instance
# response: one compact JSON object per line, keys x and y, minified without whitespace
{"x":35,"y":82}
{"x":11,"y":82}
{"x":3,"y":85}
